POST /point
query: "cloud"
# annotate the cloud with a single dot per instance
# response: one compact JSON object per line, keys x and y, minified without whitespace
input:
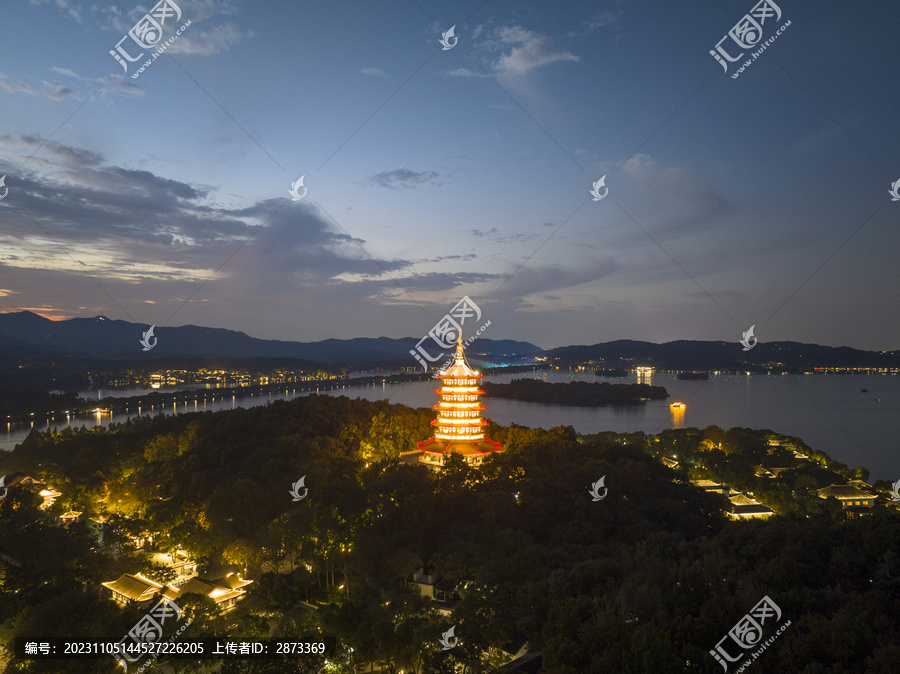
{"x":438,"y":281}
{"x":198,"y":10}
{"x":69,"y":73}
{"x":516,"y":51}
{"x":131,"y":225}
{"x":373,"y":72}
{"x":529,"y":51}
{"x":111,"y":84}
{"x":688,"y":205}
{"x":528,"y":280}
{"x":72,"y":10}
{"x":601,"y":19}
{"x":16,"y":87}
{"x":119,"y":21}
{"x":505,"y":239}
{"x":211,"y":42}
{"x":47,"y":90}
{"x":119,"y":85}
{"x":464,"y":72}
{"x":402,"y":177}
{"x":61,"y":92}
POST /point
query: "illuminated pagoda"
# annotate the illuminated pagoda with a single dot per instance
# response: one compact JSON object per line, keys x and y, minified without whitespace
{"x":458,"y":427}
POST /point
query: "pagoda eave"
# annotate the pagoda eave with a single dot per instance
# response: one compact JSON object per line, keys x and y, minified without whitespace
{"x":434,"y":445}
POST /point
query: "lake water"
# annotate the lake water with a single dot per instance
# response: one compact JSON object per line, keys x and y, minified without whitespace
{"x":827,"y":411}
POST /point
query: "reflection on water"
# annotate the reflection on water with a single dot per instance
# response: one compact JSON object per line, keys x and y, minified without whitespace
{"x":644,"y":375}
{"x":677,"y":416}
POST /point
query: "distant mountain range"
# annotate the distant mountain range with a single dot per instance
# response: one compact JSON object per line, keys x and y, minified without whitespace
{"x":26,"y":335}
{"x":687,"y":355}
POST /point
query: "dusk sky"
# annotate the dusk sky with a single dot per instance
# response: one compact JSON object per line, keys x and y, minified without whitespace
{"x":437,"y":173}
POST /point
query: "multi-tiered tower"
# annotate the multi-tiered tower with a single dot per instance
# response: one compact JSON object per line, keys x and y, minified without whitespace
{"x":458,"y":427}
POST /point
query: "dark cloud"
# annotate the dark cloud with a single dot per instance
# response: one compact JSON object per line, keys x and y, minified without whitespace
{"x":402,"y":177}
{"x":119,"y":85}
{"x":541,"y":279}
{"x":494,"y":235}
{"x":64,"y":154}
{"x":61,"y":92}
{"x":140,"y":217}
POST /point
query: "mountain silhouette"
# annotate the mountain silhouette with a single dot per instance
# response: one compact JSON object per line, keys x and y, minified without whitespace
{"x":23,"y":332}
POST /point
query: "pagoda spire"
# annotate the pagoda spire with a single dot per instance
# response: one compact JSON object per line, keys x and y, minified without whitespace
{"x":459,"y":349}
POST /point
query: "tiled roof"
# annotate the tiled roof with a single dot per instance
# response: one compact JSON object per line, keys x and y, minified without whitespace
{"x":134,"y":587}
{"x":743,"y":500}
{"x":705,"y":484}
{"x":23,"y":480}
{"x":464,"y":447}
{"x":843,"y":491}
{"x":218,"y":590}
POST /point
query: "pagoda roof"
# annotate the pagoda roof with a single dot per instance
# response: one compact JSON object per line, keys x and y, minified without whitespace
{"x":464,"y":447}
{"x":459,"y":368}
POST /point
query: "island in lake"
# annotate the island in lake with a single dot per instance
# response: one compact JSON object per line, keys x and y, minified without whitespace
{"x":587,"y":394}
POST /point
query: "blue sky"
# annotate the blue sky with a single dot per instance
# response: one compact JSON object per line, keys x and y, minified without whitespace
{"x":434,"y":174}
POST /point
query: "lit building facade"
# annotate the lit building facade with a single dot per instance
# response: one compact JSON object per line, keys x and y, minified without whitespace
{"x":459,"y":426}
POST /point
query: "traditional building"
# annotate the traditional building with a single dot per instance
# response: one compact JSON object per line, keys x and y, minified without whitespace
{"x":851,"y":498}
{"x":709,"y":485}
{"x":459,"y":426}
{"x":441,"y":591}
{"x":744,"y":507}
{"x":136,"y":588}
{"x":45,"y":491}
{"x":225,"y":592}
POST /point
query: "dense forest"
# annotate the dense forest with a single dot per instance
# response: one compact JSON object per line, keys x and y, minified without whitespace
{"x":648,"y":579}
{"x":588,"y":394}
